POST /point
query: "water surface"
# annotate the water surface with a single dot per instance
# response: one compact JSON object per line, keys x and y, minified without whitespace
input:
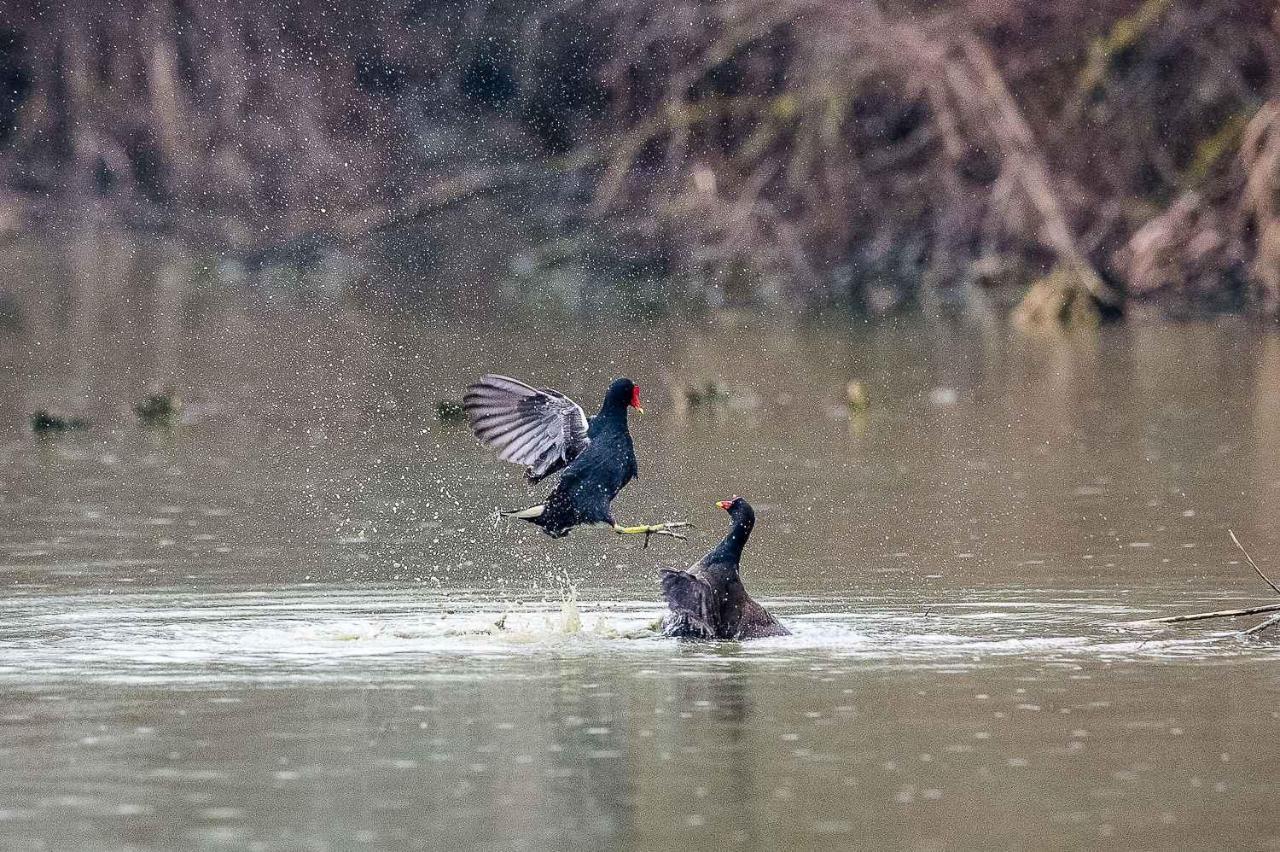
{"x":292,"y":622}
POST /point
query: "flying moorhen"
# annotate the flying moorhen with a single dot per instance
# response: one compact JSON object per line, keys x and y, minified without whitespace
{"x":708,"y":600}
{"x":548,"y":432}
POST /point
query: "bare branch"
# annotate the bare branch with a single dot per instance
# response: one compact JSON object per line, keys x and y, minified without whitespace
{"x":1253,"y":564}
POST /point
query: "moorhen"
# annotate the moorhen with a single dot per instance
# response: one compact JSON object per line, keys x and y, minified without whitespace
{"x":708,"y":600}
{"x":548,"y":432}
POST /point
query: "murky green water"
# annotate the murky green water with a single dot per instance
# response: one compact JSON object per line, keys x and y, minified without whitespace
{"x":277,"y":626}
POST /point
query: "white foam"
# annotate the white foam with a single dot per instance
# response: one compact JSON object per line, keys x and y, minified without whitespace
{"x":315,"y":633}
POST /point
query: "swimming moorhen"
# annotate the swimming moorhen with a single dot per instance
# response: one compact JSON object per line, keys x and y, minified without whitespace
{"x":708,"y":600}
{"x":548,"y":432}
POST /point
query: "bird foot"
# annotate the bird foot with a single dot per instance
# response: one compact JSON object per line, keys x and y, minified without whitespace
{"x":647,"y":530}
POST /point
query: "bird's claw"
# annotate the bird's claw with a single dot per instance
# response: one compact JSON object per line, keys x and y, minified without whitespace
{"x":663,"y":530}
{"x":667,"y":529}
{"x":647,"y":530}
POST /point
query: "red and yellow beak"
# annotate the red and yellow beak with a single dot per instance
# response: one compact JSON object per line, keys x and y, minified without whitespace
{"x":635,"y":400}
{"x":725,"y":504}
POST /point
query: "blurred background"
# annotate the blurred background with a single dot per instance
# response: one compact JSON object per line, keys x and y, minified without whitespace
{"x":973,"y":299}
{"x":792,"y":151}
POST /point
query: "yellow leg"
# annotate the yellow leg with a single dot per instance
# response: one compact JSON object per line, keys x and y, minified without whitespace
{"x":647,"y":530}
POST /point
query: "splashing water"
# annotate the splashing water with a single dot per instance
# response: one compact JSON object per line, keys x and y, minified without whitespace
{"x":570,"y":616}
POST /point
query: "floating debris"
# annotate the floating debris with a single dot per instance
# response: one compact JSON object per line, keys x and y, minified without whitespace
{"x":943,"y":397}
{"x":45,"y":422}
{"x":1059,"y":300}
{"x":1234,"y":613}
{"x":160,"y":409}
{"x":712,"y":395}
{"x":449,"y":410}
{"x":707,"y":393}
{"x":857,"y":396}
{"x":10,"y":312}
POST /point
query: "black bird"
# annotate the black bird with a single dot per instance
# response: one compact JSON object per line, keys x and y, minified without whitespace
{"x":548,"y":432}
{"x":708,"y":600}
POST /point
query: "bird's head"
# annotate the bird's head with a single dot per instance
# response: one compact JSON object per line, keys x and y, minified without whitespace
{"x":740,"y":510}
{"x":622,"y":393}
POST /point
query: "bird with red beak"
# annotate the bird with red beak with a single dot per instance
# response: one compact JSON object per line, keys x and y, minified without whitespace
{"x":708,"y":600}
{"x":547,"y":432}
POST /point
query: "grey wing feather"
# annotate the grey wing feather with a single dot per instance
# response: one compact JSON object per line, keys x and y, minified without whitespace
{"x":758,"y":623}
{"x":537,"y":427}
{"x":690,"y":598}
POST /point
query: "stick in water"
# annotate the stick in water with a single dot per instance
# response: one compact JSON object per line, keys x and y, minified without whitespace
{"x":1263,"y":626}
{"x":1235,"y":613}
{"x":1221,"y":613}
{"x":1253,"y":564}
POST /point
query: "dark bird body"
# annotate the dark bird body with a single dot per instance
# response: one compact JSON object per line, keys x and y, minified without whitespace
{"x":708,"y":600}
{"x":591,"y":481}
{"x":548,"y":433}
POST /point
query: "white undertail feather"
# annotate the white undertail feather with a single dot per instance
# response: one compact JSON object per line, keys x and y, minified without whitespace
{"x":526,"y":514}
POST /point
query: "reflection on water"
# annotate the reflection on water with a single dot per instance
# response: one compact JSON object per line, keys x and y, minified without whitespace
{"x":292,"y":623}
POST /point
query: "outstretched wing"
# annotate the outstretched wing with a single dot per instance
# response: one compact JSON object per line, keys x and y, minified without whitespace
{"x":758,"y":623}
{"x":540,"y":428}
{"x":690,"y":599}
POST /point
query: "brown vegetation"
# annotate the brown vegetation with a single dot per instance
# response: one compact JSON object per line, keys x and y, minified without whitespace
{"x":834,"y":150}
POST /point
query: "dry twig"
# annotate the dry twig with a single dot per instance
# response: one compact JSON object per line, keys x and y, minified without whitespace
{"x":1234,"y":613}
{"x":1220,"y":613}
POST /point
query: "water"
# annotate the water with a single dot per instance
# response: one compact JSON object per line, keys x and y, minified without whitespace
{"x":292,"y":622}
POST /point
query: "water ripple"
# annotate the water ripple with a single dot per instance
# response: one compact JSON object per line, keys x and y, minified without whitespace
{"x":327,"y":634}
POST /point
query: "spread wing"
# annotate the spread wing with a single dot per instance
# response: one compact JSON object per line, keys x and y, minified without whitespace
{"x":690,"y":598}
{"x":540,"y":428}
{"x":758,"y":623}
